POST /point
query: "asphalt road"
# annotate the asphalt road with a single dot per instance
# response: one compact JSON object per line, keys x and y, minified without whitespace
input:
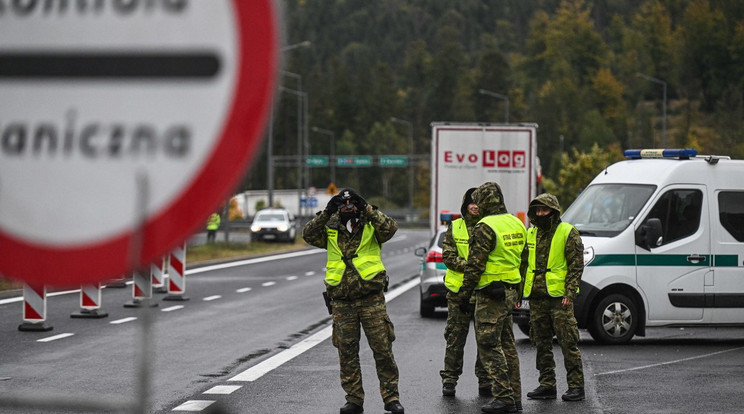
{"x":253,"y":338}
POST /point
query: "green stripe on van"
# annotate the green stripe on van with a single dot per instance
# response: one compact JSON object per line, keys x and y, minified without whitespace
{"x":721,"y":260}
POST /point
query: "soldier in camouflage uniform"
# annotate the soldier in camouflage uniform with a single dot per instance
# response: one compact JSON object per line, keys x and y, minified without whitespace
{"x":455,"y":256}
{"x":492,"y":275}
{"x":552,"y":265}
{"x":352,"y":232}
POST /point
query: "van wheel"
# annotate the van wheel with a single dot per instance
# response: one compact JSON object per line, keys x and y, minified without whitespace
{"x":426,"y":311}
{"x":615,"y":320}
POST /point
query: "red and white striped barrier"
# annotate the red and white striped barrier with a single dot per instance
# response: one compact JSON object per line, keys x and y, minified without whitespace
{"x":90,"y":302}
{"x":158,"y":277}
{"x":177,"y":274}
{"x":34,"y":309}
{"x":141,"y":289}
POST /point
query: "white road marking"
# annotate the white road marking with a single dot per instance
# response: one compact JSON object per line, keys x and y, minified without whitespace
{"x":267,"y":284}
{"x":125,"y":320}
{"x":291,"y":277}
{"x":223,"y":389}
{"x":256,"y":260}
{"x":668,"y":362}
{"x":55,"y":337}
{"x":257,"y":371}
{"x":211,"y":298}
{"x":172,"y":308}
{"x":243,"y":290}
{"x":194,"y":405}
{"x":310,"y":273}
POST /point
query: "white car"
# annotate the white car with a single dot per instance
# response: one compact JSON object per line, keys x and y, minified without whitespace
{"x":431,"y":275}
{"x":274,"y":224}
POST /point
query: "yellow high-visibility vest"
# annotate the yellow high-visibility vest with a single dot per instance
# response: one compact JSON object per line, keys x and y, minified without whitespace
{"x":503,"y":262}
{"x":367,"y":258}
{"x":453,"y":278}
{"x":555,"y":277}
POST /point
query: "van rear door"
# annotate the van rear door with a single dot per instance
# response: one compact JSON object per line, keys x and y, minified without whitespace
{"x":672,"y":275}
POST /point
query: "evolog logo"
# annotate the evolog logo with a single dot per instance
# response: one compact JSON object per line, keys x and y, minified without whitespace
{"x":489,"y":159}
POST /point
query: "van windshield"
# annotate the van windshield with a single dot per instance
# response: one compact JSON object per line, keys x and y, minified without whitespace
{"x":270,"y":217}
{"x":605,"y":210}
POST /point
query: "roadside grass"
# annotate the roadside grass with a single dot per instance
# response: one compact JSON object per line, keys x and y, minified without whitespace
{"x":207,"y":253}
{"x":227,"y":251}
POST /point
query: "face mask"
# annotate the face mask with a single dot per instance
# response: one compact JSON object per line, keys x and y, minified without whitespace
{"x":346,"y":216}
{"x":543,"y":221}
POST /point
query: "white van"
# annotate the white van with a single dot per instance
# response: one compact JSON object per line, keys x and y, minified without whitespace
{"x":663,"y":235}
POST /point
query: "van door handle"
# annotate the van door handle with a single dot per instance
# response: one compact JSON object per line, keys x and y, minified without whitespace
{"x":695,"y":258}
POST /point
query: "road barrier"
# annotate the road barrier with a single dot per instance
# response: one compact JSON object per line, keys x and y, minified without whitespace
{"x":157,"y":276}
{"x":90,"y":302}
{"x":34,"y":309}
{"x":141,"y":289}
{"x":177,"y":274}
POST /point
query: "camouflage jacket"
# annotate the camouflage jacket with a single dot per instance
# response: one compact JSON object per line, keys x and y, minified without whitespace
{"x":450,"y":257}
{"x":490,"y":201}
{"x":574,"y":251}
{"x":352,"y":285}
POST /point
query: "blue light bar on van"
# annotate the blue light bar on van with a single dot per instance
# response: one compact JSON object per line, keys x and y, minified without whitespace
{"x":447,"y":217}
{"x":681,"y":154}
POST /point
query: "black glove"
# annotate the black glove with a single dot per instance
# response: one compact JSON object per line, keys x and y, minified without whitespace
{"x":332,"y":205}
{"x":359,"y":202}
{"x":465,"y":305}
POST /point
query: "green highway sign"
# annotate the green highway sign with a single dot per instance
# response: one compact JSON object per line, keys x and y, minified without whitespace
{"x":317,"y":161}
{"x":353,"y":161}
{"x":393,"y":161}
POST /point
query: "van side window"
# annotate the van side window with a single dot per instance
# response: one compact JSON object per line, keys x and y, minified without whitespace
{"x":731,"y":208}
{"x":679,"y":212}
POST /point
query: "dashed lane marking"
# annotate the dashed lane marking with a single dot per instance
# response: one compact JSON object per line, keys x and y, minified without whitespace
{"x":55,"y":337}
{"x":310,"y":273}
{"x":223,"y":389}
{"x":267,"y":284}
{"x":668,"y":362}
{"x":125,"y":320}
{"x":194,"y":405}
{"x":172,"y":308}
{"x":243,"y":290}
{"x":291,"y":277}
{"x":211,"y":298}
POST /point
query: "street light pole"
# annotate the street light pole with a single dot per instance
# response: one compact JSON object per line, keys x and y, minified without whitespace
{"x":500,"y":96}
{"x":410,"y":158}
{"x":332,"y":157}
{"x":300,"y":98}
{"x":663,"y":105}
{"x":270,"y":140}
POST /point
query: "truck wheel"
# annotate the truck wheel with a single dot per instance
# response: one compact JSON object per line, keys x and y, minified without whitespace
{"x":426,"y":311}
{"x":524,"y":327}
{"x":615,"y":320}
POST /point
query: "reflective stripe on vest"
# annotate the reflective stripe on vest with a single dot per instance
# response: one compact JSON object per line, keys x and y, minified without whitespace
{"x":555,"y":278}
{"x":453,"y":278}
{"x":503,"y":261}
{"x":367,"y":259}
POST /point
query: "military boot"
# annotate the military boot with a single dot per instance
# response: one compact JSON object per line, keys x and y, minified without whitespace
{"x":542,"y":393}
{"x":351,"y":408}
{"x":394,"y":407}
{"x":573,"y":394}
{"x":499,"y":406}
{"x":448,"y":389}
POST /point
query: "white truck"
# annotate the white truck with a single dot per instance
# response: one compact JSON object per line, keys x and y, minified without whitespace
{"x":467,"y":155}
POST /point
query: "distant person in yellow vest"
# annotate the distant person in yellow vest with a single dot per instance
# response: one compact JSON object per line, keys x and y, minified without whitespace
{"x":213,"y":223}
{"x":492,"y":275}
{"x":353,"y":232}
{"x":552,"y":265}
{"x":455,"y":257}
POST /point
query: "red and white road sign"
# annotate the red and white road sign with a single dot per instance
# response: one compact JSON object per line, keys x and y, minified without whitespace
{"x":122,"y":126}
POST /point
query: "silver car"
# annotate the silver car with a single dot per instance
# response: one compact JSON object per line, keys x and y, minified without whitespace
{"x":274,"y":224}
{"x":431,"y":275}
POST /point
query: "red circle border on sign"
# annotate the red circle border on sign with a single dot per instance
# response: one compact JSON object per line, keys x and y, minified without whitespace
{"x":37,"y":265}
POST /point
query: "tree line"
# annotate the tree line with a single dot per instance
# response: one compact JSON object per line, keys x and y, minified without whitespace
{"x":591,"y":74}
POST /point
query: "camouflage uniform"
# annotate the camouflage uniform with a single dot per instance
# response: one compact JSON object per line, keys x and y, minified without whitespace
{"x":458,"y":320}
{"x":358,"y":302}
{"x":547,"y":315}
{"x":493,"y":323}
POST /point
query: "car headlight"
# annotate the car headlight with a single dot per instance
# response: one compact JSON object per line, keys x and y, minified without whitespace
{"x":282,"y":227}
{"x":255,"y":228}
{"x":588,"y":255}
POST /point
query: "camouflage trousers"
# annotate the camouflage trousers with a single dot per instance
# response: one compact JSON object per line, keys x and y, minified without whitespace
{"x":371,"y":315}
{"x":455,"y":334}
{"x":549,"y":317}
{"x":495,"y":338}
